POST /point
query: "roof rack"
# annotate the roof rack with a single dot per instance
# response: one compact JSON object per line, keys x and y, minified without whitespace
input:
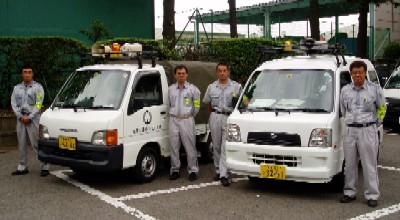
{"x":309,"y":46}
{"x":100,"y":52}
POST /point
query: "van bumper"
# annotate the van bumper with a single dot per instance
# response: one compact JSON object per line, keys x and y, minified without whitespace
{"x":86,"y":157}
{"x":303,"y":164}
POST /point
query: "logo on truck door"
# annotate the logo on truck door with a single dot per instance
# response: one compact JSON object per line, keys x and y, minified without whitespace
{"x":147,"y":117}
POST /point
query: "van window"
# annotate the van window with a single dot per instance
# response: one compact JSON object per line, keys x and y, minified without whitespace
{"x":345,"y":78}
{"x":394,"y":81}
{"x":294,"y":90}
{"x":146,"y":91}
{"x":373,"y":77}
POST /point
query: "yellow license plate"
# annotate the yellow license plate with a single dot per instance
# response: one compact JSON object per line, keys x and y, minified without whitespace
{"x":67,"y":143}
{"x":272,"y":171}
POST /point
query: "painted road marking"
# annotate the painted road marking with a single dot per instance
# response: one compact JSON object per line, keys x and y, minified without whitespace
{"x":102,"y":196}
{"x":173,"y":190}
{"x":380,"y":212}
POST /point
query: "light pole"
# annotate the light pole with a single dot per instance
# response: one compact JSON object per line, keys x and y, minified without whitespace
{"x":353,"y":40}
{"x":212,"y":24}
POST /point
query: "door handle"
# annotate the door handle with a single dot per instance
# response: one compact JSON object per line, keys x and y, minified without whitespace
{"x":163,"y":113}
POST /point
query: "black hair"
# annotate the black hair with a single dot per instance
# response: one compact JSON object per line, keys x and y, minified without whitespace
{"x":223,"y":63}
{"x":181,"y":67}
{"x":26,"y":66}
{"x":358,"y":63}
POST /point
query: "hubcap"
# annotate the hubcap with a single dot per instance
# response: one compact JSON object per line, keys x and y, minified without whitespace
{"x":148,"y":165}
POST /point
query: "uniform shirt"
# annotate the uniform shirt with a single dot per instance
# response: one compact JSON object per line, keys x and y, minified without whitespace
{"x":27,"y":100}
{"x":185,"y":100}
{"x":363,"y":104}
{"x":221,"y":96}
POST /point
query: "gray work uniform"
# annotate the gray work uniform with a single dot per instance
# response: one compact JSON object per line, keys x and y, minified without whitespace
{"x":27,"y":101}
{"x":220,"y":98}
{"x":184,"y":104}
{"x":362,"y":107}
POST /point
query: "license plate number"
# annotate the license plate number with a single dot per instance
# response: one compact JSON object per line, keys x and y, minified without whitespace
{"x":272,"y":171}
{"x":67,"y":143}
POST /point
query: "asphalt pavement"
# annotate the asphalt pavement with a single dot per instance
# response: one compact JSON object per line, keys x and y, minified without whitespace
{"x":65,"y":195}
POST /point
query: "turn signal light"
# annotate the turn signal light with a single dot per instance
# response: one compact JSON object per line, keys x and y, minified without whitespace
{"x":112,"y":137}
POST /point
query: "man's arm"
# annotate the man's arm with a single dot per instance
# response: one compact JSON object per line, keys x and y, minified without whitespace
{"x":39,"y":102}
{"x":16,"y":110}
{"x":342,"y":106}
{"x":196,"y":101}
{"x":207,"y":99}
{"x":380,"y":104}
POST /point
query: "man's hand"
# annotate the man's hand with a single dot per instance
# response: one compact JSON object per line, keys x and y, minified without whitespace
{"x":25,"y":120}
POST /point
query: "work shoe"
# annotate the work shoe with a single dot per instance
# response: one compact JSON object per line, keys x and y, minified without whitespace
{"x":372,"y":203}
{"x":44,"y":173}
{"x":20,"y":172}
{"x":174,"y":176}
{"x":192,"y":176}
{"x":347,"y":199}
{"x":224,"y":181}
{"x":216,"y":177}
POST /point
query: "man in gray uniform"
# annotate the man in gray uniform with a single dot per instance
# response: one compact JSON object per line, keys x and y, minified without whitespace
{"x":363,"y":107}
{"x":184,"y":104}
{"x":26,"y":102}
{"x":219,"y":97}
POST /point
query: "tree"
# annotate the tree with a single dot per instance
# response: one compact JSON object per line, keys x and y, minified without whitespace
{"x":314,"y":19}
{"x":232,"y":18}
{"x":169,"y":20}
{"x":97,"y":31}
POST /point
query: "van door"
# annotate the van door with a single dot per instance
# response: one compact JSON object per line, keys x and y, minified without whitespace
{"x":146,"y":116}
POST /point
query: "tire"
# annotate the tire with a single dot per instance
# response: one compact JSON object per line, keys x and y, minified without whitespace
{"x":147,"y":164}
{"x":337,"y":183}
{"x":207,"y":151}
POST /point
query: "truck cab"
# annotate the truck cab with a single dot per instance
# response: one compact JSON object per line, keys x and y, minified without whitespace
{"x":287,"y":124}
{"x":110,"y":117}
{"x":391,"y":91}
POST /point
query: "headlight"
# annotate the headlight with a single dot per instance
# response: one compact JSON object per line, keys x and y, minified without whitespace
{"x":108,"y":137}
{"x":43,"y":132}
{"x":233,"y":133}
{"x":320,"y":138}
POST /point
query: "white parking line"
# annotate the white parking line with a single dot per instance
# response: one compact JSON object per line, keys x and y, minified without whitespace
{"x":380,"y":212}
{"x":173,"y":190}
{"x":106,"y":198}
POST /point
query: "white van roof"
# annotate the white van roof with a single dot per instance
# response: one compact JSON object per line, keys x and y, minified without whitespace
{"x":124,"y":67}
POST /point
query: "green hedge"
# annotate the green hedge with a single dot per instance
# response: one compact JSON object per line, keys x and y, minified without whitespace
{"x":52,"y":58}
{"x":392,"y":51}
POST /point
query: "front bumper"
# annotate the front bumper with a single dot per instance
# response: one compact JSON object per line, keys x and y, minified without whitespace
{"x":303,"y":164}
{"x":86,"y":157}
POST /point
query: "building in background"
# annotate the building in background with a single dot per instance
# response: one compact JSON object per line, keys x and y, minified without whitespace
{"x":123,"y":18}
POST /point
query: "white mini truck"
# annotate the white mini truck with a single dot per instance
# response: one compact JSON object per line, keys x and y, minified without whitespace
{"x":111,"y":117}
{"x":287,"y":125}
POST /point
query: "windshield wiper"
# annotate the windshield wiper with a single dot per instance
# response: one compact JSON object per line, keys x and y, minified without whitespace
{"x":100,"y":107}
{"x":74,"y":106}
{"x":310,"y":109}
{"x":277,"y":110}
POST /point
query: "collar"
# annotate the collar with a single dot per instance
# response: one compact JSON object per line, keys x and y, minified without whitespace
{"x":29,"y":85}
{"x":361,"y":87}
{"x":184,"y":85}
{"x":227,"y":84}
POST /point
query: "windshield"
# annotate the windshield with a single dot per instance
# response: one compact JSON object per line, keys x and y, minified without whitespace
{"x":293,"y":90}
{"x":93,"y":89}
{"x":394,"y":81}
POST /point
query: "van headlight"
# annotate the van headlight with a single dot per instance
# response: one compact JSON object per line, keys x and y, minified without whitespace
{"x":43,"y":132}
{"x":233,"y":133}
{"x":108,"y":137}
{"x":320,"y":137}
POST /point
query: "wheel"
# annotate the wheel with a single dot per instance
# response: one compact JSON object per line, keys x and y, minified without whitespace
{"x":147,"y":164}
{"x":337,"y":182}
{"x":207,"y":151}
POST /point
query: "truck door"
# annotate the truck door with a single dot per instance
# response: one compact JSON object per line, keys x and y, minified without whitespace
{"x":146,"y":117}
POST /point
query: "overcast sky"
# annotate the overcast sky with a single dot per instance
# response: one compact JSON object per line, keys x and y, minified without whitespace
{"x":184,"y":9}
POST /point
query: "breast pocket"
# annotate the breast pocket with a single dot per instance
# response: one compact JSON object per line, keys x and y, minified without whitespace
{"x":187,"y":101}
{"x":368,"y":103}
{"x":349,"y":104}
{"x":214,"y":100}
{"x":31,"y":99}
{"x":172,"y":101}
{"x":18,"y":100}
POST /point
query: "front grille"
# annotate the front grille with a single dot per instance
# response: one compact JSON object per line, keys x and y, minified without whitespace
{"x":289,"y":161}
{"x":274,"y":138}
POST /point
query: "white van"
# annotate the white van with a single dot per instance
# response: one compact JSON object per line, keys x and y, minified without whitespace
{"x":287,"y":125}
{"x":392,"y":94}
{"x":110,"y":117}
